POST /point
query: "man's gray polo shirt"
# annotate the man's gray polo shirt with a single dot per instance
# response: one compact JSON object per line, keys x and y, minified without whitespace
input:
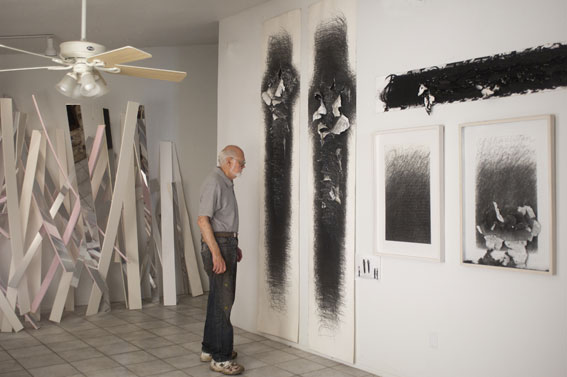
{"x":218,"y":202}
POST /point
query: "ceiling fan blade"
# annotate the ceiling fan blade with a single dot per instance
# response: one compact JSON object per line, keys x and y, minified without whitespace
{"x":124,"y":54}
{"x":152,"y":73}
{"x":27,"y":52}
{"x":50,"y":68}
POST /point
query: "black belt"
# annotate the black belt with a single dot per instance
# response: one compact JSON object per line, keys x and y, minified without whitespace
{"x":226,"y":234}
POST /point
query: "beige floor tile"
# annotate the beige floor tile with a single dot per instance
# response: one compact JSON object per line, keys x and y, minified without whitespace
{"x":38,"y":361}
{"x":192,"y":346}
{"x":269,"y":370}
{"x":20,"y":353}
{"x":93,"y":333}
{"x":79,"y":354}
{"x":241,"y":339}
{"x":58,"y":338}
{"x":97,"y":363}
{"x":96,"y":342}
{"x":10,"y":365}
{"x":169,"y":351}
{"x":250,"y":362}
{"x":350,"y":370}
{"x":275,"y":356}
{"x":163,"y":331}
{"x":183,"y":337}
{"x":141,"y":334}
{"x":322,"y":360}
{"x":70,"y":345}
{"x":10,"y":344}
{"x":133,"y":357}
{"x":4,"y":356}
{"x":151,"y":367}
{"x":327,"y":372}
{"x":173,"y":373}
{"x":195,"y":327}
{"x":20,"y":373}
{"x":153,"y":324}
{"x":117,"y":348}
{"x":300,"y":366}
{"x":149,"y":343}
{"x":253,"y":348}
{"x":184,"y":361}
{"x":273,"y":344}
{"x":112,"y":372}
{"x":123,"y":329}
{"x":62,"y":370}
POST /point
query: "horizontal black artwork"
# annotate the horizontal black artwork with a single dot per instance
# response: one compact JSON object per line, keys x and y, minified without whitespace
{"x":531,"y":70}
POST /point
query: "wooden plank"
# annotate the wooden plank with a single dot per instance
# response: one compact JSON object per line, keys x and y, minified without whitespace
{"x":188,"y":247}
{"x":124,"y":163}
{"x":167,"y":224}
{"x":34,"y":270}
{"x":63,"y":291}
{"x":14,"y":218}
{"x":131,"y":243}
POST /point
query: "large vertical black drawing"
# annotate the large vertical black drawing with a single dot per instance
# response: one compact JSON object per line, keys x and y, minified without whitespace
{"x":280,"y":88}
{"x":332,"y":108}
{"x":278,"y":293}
{"x":408,"y":197}
{"x":331,"y":128}
{"x":508,"y":194}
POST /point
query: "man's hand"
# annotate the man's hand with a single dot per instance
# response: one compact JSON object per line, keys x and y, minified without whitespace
{"x":218,"y":263}
{"x":238,"y":254}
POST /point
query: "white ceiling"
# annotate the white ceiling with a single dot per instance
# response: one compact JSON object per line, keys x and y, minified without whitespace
{"x":117,"y":23}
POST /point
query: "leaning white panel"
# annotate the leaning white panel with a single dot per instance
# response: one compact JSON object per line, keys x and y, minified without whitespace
{"x":14,"y":218}
{"x":167,"y":230}
{"x":124,"y":163}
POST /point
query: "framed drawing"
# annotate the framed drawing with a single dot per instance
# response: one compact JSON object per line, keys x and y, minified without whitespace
{"x":507,"y":193}
{"x":408,"y":171}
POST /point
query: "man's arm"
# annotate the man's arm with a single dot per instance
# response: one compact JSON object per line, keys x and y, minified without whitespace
{"x":208,"y":236}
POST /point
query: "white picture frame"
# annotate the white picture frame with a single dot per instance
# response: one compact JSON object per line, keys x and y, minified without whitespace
{"x":407,"y":163}
{"x":507,"y":191}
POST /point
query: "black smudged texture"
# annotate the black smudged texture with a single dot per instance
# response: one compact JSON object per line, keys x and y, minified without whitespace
{"x":408,"y":203}
{"x":278,"y":164}
{"x":535,"y":69}
{"x":332,"y":78}
{"x":506,"y":175}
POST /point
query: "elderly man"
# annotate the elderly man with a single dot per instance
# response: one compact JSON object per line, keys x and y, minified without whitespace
{"x":218,"y":221}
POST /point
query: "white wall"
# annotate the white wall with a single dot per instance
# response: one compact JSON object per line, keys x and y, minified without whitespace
{"x":184,"y":113}
{"x":488,"y":323}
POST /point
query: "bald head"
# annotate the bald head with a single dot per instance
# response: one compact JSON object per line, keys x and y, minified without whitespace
{"x":230,"y":151}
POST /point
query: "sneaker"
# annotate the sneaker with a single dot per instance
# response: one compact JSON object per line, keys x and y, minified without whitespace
{"x":227,"y":367}
{"x":206,"y":357}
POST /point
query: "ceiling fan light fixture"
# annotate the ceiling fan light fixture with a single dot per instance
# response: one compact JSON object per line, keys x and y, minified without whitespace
{"x":67,"y":84}
{"x":89,"y":87}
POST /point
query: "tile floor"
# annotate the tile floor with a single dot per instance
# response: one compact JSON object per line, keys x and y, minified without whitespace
{"x":156,"y":341}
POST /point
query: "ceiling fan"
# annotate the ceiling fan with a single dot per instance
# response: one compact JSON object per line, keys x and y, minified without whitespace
{"x":86,"y":60}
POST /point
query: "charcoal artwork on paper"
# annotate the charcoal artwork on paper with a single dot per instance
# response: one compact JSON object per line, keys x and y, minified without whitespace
{"x":408,"y":201}
{"x":531,"y":70}
{"x":280,"y":88}
{"x":506,"y":201}
{"x":331,"y":109}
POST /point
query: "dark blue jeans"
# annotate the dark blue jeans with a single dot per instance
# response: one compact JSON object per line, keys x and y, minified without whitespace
{"x":218,"y":336}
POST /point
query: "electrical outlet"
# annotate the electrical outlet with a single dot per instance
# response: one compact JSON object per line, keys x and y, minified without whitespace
{"x":433,"y":340}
